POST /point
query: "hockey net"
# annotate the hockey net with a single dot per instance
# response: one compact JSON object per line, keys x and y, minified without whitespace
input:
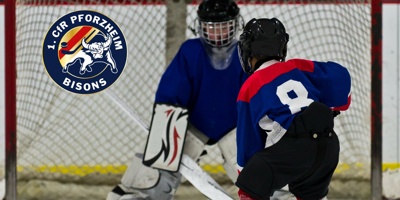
{"x":67,"y":141}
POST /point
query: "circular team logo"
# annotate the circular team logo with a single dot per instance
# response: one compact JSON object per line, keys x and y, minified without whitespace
{"x":84,"y":52}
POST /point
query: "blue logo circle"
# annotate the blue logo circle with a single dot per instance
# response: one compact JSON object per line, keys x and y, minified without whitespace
{"x":84,"y":52}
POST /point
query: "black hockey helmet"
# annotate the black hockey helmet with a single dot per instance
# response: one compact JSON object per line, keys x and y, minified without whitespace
{"x":217,"y":10}
{"x":218,"y":22}
{"x":264,"y":39}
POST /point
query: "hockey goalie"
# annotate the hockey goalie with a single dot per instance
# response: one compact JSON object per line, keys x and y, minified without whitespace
{"x":195,"y":106}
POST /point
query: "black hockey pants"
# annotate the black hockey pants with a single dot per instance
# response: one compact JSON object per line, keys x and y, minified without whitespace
{"x":305,"y":158}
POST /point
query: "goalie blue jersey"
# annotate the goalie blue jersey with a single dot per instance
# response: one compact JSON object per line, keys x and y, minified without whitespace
{"x":271,"y":98}
{"x":209,"y":94}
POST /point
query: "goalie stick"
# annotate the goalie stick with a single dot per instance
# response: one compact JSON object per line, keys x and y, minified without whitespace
{"x":188,"y":167}
{"x":201,"y":180}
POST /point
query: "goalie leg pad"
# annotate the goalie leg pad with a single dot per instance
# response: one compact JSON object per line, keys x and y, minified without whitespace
{"x":227,"y":146}
{"x":139,"y":176}
{"x":122,"y":193}
{"x":143,"y":181}
{"x":166,"y":187}
{"x":194,"y":143}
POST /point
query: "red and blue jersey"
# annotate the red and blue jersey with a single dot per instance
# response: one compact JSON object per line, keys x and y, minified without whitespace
{"x":209,"y":94}
{"x":271,"y":97}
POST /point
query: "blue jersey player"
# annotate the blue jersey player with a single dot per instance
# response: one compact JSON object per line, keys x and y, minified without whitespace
{"x":203,"y":80}
{"x":286,"y":113}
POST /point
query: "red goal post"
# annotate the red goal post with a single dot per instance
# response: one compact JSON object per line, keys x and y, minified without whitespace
{"x":61,"y":137}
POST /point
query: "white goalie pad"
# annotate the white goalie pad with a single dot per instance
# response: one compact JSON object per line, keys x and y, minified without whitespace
{"x":166,"y":137}
{"x":139,"y":176}
{"x":194,"y":143}
{"x":227,"y":146}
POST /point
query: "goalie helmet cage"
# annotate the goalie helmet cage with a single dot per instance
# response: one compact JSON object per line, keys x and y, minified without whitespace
{"x":66,"y":138}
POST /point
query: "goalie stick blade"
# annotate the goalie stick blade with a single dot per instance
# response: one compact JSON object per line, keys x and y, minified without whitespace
{"x":201,"y":180}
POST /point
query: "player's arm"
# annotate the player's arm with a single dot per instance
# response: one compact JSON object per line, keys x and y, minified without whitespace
{"x":334,"y":84}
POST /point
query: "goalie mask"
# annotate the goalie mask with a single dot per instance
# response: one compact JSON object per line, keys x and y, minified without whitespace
{"x":218,"y":22}
{"x":263,"y":39}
